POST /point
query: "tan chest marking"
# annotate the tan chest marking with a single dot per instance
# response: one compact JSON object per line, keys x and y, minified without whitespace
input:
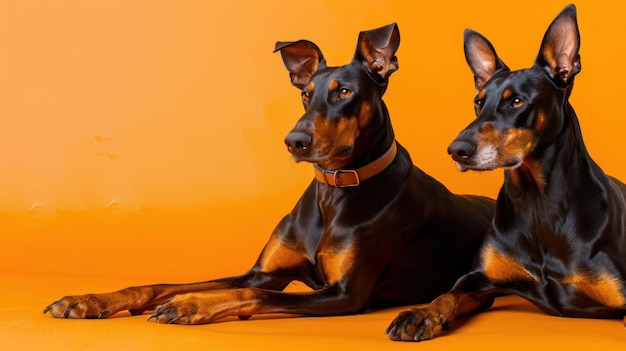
{"x":603,"y":287}
{"x":500,"y":268}
{"x":277,"y":256}
{"x":337,"y":263}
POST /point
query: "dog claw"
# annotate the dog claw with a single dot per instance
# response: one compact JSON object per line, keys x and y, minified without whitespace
{"x":173,"y":321}
{"x":100,"y":315}
{"x":161,"y":317}
{"x":68,"y":310}
{"x":50,"y":307}
{"x":103,"y":314}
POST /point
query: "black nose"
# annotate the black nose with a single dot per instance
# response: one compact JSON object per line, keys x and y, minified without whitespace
{"x":298,"y":142}
{"x":461,"y":150}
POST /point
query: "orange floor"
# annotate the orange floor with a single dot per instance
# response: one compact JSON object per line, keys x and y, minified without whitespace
{"x":512,"y":324}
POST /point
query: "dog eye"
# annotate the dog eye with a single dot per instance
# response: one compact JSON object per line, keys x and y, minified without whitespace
{"x":344,"y":93}
{"x":517,"y":102}
{"x":478,"y":102}
{"x":305,"y":96}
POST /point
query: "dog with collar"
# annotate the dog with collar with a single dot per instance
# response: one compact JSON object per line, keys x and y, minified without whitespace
{"x":365,"y":232}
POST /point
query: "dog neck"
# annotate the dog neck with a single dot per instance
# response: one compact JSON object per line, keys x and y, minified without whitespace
{"x":350,"y":177}
{"x":562,"y":166}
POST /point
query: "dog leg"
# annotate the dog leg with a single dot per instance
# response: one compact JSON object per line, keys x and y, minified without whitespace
{"x":208,"y":307}
{"x":417,"y":324}
{"x":139,"y":299}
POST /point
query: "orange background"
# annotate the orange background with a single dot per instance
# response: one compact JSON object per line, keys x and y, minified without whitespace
{"x":145,"y":138}
{"x":142,"y":142}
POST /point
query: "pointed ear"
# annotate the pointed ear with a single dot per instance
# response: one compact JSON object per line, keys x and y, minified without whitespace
{"x":558,"y":54}
{"x":302,"y":59}
{"x":481,"y":58}
{"x":376,"y":50}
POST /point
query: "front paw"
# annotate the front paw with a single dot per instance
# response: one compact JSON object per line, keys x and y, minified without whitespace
{"x":83,"y":306}
{"x":414,"y":325}
{"x":182,"y":309}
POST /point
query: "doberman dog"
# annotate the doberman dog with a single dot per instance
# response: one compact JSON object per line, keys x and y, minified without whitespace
{"x":366,"y":231}
{"x":558,"y":238}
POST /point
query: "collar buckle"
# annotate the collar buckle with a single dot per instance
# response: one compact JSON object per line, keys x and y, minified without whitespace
{"x":336,"y":178}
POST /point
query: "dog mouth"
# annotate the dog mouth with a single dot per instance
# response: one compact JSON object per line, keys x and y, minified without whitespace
{"x":331,"y":159}
{"x":342,"y":153}
{"x":474,"y":165}
{"x":463,"y":167}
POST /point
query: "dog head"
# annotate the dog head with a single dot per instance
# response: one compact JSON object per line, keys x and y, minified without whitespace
{"x":518,"y":111}
{"x":344,"y":112}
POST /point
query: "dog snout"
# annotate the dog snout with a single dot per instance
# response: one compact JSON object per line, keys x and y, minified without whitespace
{"x":461,"y":150}
{"x":298,"y":142}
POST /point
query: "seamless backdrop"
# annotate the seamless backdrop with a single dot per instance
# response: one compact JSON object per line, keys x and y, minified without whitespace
{"x":145,"y":138}
{"x":141,"y":141}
